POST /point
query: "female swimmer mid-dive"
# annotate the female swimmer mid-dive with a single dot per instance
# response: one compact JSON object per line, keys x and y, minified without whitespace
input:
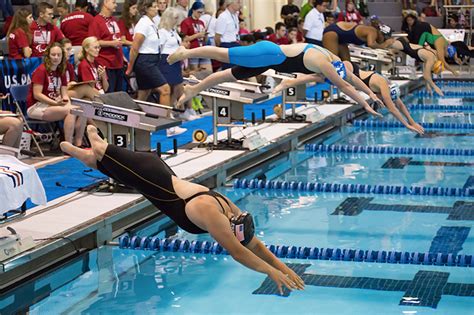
{"x":258,"y":58}
{"x":193,"y":207}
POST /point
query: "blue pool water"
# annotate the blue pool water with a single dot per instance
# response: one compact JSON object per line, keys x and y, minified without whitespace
{"x":112,"y":280}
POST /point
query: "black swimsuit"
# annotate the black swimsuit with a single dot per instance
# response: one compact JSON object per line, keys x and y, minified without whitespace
{"x":151,"y":176}
{"x":356,"y":72}
{"x":290,"y":65}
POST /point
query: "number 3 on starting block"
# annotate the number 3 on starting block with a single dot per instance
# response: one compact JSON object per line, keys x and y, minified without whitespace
{"x":120,"y":140}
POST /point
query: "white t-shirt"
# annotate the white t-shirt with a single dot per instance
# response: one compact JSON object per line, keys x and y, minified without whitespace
{"x":314,"y":24}
{"x":210,"y":24}
{"x":157,"y":20}
{"x":151,"y":44}
{"x":170,"y":41}
{"x":227,"y":25}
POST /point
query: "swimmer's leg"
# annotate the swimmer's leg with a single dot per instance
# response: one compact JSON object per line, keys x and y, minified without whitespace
{"x":211,"y":52}
{"x":331,"y":42}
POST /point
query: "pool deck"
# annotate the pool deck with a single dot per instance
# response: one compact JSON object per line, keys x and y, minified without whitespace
{"x":81,"y":221}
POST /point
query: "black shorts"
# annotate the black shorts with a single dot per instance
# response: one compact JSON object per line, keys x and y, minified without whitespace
{"x":172,"y":73}
{"x":147,"y":71}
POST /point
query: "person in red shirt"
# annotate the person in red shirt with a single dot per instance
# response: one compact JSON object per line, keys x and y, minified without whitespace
{"x":88,"y":69}
{"x":48,"y":99}
{"x":128,"y":21}
{"x":19,"y":35}
{"x":350,"y":14}
{"x":44,"y":33}
{"x":293,"y":35}
{"x":106,"y":29}
{"x":75,"y":26}
{"x":195,"y":33}
{"x":279,"y":37}
{"x":300,"y":36}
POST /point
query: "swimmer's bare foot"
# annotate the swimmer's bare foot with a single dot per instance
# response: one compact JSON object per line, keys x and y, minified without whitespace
{"x":178,"y":55}
{"x":98,"y":145}
{"x":188,"y":93}
{"x":85,"y":156}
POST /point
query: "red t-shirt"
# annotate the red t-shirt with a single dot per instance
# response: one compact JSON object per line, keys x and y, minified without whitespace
{"x":127,"y":32}
{"x":299,"y":37}
{"x":279,"y":41}
{"x":42,"y":36}
{"x":353,"y":16}
{"x":189,"y":27}
{"x":17,"y":40}
{"x":106,"y":28}
{"x":87,"y":71}
{"x":70,"y":73}
{"x":75,"y":26}
{"x":51,"y":82}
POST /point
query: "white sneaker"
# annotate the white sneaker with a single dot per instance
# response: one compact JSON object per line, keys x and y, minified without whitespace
{"x":174,"y":131}
{"x":188,"y":115}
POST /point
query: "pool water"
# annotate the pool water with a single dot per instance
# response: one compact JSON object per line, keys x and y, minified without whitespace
{"x":110,"y":280}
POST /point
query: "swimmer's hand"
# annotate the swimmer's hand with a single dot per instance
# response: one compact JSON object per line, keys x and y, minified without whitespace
{"x":371,"y":111}
{"x":416,"y":128}
{"x":438,"y":91}
{"x":281,"y":280}
{"x":377,"y":100}
{"x":284,"y":84}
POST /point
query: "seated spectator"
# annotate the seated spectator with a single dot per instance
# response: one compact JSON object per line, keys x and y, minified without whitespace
{"x":44,"y":33}
{"x":74,"y":89}
{"x":453,"y":22}
{"x":194,"y":32}
{"x":63,"y":10}
{"x":300,"y":36}
{"x":10,"y":127}
{"x":88,"y":69}
{"x":329,"y":18}
{"x":19,"y":35}
{"x":289,"y":14}
{"x":48,"y":99}
{"x":75,"y":25}
{"x":351,"y":14}
{"x":279,"y":37}
{"x":128,"y":21}
{"x":243,"y":28}
{"x":293,"y":35}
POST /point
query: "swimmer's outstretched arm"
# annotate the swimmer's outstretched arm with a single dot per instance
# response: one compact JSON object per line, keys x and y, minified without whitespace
{"x":329,"y":72}
{"x":385,"y":91}
{"x":401,"y":106}
{"x":361,"y":86}
{"x":301,"y":79}
{"x":208,"y":217}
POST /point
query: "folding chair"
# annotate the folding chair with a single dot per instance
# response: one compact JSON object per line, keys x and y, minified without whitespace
{"x":19,"y":94}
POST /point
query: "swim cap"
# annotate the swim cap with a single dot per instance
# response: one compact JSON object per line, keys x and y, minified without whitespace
{"x":438,"y":67}
{"x":243,"y":227}
{"x":340,"y":69}
{"x":451,"y":51}
{"x":386,"y":30}
{"x":394,"y":91}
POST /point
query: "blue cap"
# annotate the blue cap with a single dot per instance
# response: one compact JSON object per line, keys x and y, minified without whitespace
{"x":451,"y":51}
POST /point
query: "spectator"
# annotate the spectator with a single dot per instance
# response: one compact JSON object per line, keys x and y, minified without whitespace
{"x":279,"y":37}
{"x":243,"y":28}
{"x":453,"y":22}
{"x":63,"y":10}
{"x":75,"y":25}
{"x":169,"y":43}
{"x":128,"y":21}
{"x":293,"y":35}
{"x":10,"y":127}
{"x":330,"y":19}
{"x":7,"y":8}
{"x":44,"y":33}
{"x":106,"y":29}
{"x":194,"y":31}
{"x":350,"y":14}
{"x":314,"y":23}
{"x":162,"y":5}
{"x":308,"y":6}
{"x":74,"y":89}
{"x":289,"y":14}
{"x":300,"y":28}
{"x":227,"y":27}
{"x":221,"y":8}
{"x":88,"y":69}
{"x":19,"y":35}
{"x":182,"y":9}
{"x":48,"y":99}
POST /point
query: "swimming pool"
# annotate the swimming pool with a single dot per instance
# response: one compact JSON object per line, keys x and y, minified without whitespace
{"x":111,"y":280}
